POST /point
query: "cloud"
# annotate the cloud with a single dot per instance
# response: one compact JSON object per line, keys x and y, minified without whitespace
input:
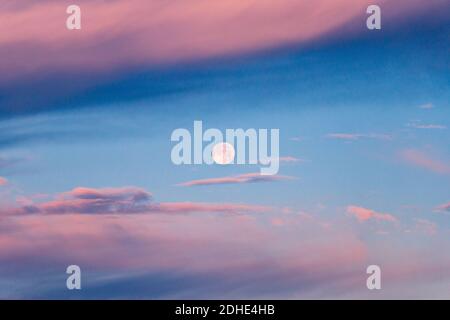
{"x":420,"y":159}
{"x":426,"y":106}
{"x":364,"y":214}
{"x":127,"y":200}
{"x":344,"y":136}
{"x":443,"y":207}
{"x":290,"y":159}
{"x":6,"y":163}
{"x":207,"y":256}
{"x":107,"y":40}
{"x":278,"y":222}
{"x":114,"y":194}
{"x":92,"y":201}
{"x":237,"y":253}
{"x":188,"y":207}
{"x":419,"y":125}
{"x":429,"y":126}
{"x":59,"y":68}
{"x":357,"y":136}
{"x":425,"y":226}
{"x":243,"y":178}
{"x":3,"y":181}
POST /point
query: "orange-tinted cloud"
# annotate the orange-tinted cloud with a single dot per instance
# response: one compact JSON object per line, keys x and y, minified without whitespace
{"x":364,"y":214}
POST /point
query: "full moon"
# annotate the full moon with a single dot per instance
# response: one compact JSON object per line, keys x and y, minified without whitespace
{"x":223,"y":153}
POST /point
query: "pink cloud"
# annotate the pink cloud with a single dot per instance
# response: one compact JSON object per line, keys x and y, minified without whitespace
{"x":237,"y":251}
{"x":117,"y":34}
{"x":127,"y":200}
{"x":364,"y":214}
{"x":188,"y":207}
{"x":278,"y":222}
{"x":91,"y":201}
{"x":299,"y":258}
{"x":3,"y":181}
{"x":443,"y":207}
{"x":425,"y":226}
{"x":420,"y":159}
{"x":243,"y":178}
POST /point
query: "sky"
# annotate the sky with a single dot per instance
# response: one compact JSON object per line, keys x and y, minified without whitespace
{"x":86,"y":176}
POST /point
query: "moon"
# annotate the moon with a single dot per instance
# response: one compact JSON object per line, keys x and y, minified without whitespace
{"x":223,"y":153}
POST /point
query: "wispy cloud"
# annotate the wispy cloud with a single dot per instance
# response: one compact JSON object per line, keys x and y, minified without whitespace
{"x":420,"y":159}
{"x":127,"y":200}
{"x":425,"y":226}
{"x":6,"y":163}
{"x":426,"y":106}
{"x":419,"y":125}
{"x":357,"y":136}
{"x":243,"y":178}
{"x":443,"y":207}
{"x":364,"y":214}
{"x":344,"y":136}
{"x":290,"y":159}
{"x":430,"y":126}
{"x":190,"y":207}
